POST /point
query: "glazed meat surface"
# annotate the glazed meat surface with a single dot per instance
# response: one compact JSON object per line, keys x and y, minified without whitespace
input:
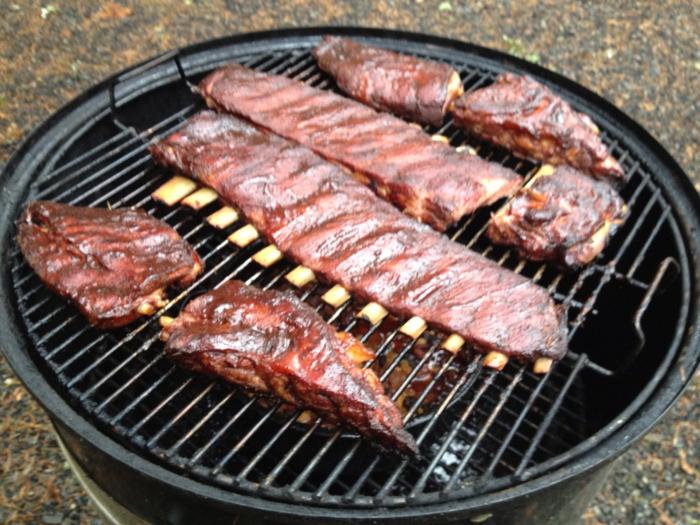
{"x":565,"y":217}
{"x":273,"y":343}
{"x":109,"y":263}
{"x":426,"y":179}
{"x":527,"y":118}
{"x":415,"y":89}
{"x":337,"y":227}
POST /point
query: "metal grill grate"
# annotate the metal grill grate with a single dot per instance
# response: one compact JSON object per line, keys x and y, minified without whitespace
{"x":484,"y":430}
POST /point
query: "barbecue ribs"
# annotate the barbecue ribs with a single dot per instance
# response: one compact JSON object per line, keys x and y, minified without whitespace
{"x":565,"y":217}
{"x":113,"y":264}
{"x":273,"y":343}
{"x":415,"y":89}
{"x":526,"y":117}
{"x":427,"y":179}
{"x":338,"y":228}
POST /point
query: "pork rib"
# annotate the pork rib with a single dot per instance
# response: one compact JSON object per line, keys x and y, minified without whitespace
{"x":415,"y":89}
{"x":565,"y":217}
{"x":273,"y":343}
{"x":524,"y":116}
{"x":338,"y":228}
{"x":114,"y":265}
{"x":426,"y":179}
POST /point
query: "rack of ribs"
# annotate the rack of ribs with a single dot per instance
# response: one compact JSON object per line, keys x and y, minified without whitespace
{"x":114,"y":265}
{"x":414,"y":89}
{"x":427,"y":179}
{"x":271,"y":342}
{"x":562,"y":215}
{"x":524,"y":116}
{"x":338,"y":228}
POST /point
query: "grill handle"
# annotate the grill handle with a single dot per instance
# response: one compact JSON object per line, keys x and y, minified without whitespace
{"x":667,"y":264}
{"x":173,"y":55}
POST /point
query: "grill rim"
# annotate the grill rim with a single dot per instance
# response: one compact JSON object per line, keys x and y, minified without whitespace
{"x":656,"y":398}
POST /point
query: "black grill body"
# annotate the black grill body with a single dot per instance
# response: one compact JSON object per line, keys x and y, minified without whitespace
{"x":508,"y":447}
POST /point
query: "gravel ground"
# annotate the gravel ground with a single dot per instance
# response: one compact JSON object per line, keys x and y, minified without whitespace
{"x":641,"y":55}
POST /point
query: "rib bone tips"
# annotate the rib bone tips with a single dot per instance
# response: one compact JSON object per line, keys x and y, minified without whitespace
{"x":223,"y":218}
{"x":174,"y":190}
{"x":373,"y":312}
{"x":545,"y":169}
{"x":542,"y":365}
{"x":268,"y":256}
{"x":495,"y":360}
{"x":466,"y":148}
{"x":336,"y":296}
{"x":453,"y":343}
{"x":359,"y":354}
{"x":440,"y":138}
{"x":146,"y":309}
{"x":200,"y":198}
{"x":244,"y":236}
{"x":414,"y":327}
{"x":300,"y":276}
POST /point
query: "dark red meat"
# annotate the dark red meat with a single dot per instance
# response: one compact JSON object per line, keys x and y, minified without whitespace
{"x":415,"y":89}
{"x":334,"y":225}
{"x":273,"y":343}
{"x":526,"y":117}
{"x":427,"y":179}
{"x":108,"y":262}
{"x":565,"y":217}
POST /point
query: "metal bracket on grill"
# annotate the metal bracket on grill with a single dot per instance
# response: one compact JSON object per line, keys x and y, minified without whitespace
{"x":173,"y":55}
{"x":666,"y":264}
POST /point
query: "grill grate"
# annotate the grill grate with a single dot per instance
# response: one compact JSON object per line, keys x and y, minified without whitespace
{"x":485,"y":430}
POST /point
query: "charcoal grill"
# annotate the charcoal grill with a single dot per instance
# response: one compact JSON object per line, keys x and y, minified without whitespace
{"x":499,"y":446}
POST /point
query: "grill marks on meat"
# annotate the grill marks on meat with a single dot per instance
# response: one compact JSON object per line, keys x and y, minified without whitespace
{"x":565,"y":217}
{"x":337,"y":227}
{"x":527,"y":118}
{"x":110,"y":263}
{"x":427,"y":179}
{"x":415,"y":89}
{"x":273,"y":343}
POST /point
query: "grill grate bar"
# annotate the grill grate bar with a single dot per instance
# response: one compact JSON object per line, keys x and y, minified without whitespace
{"x":635,"y":228}
{"x":90,"y":152}
{"x":47,"y":192}
{"x":282,"y":464}
{"x":154,"y":439}
{"x":394,"y":396}
{"x":503,"y":398}
{"x":641,"y":256}
{"x":414,"y":371}
{"x":488,"y":381}
{"x":544,"y":426}
{"x":306,"y":472}
{"x":180,"y":388}
{"x":270,"y":443}
{"x":298,"y":482}
{"x":108,"y":400}
{"x":143,"y":395}
{"x":242,"y":442}
{"x":203,"y":450}
{"x":465,"y":382}
{"x":300,"y":442}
